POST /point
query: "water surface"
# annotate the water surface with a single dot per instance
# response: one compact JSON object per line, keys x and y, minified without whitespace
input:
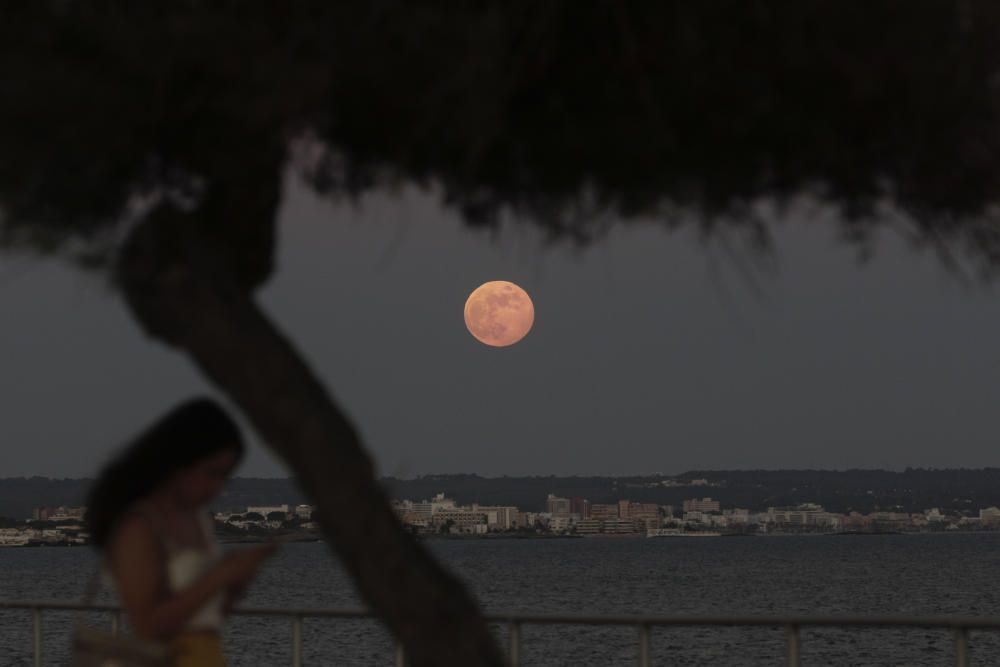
{"x":888,"y":574}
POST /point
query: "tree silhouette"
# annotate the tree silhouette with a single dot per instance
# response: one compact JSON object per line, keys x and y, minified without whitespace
{"x":149,"y":140}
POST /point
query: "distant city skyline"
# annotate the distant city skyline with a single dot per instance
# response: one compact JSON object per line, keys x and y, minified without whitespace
{"x":649,"y":353}
{"x":66,"y":525}
{"x":917,"y":489}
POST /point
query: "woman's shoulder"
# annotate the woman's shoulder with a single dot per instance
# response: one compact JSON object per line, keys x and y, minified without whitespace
{"x":136,"y":524}
{"x":135,"y":549}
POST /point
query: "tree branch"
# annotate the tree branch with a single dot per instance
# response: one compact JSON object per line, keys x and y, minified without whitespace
{"x":181,"y":292}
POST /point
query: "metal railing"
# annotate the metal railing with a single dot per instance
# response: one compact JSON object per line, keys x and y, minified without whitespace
{"x":793,"y":625}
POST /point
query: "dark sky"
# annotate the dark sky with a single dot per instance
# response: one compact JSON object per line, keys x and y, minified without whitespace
{"x":650,"y":352}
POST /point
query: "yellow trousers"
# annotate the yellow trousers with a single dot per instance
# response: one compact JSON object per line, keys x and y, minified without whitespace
{"x":198,"y":649}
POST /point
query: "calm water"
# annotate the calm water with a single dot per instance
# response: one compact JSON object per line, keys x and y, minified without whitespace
{"x":919,"y":574}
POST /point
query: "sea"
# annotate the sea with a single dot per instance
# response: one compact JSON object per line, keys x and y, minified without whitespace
{"x":927,"y":574}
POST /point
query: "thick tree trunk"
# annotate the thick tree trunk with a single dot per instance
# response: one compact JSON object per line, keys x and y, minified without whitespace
{"x":183,"y":294}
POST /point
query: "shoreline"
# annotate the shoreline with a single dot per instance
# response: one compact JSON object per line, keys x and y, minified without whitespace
{"x":315,"y":537}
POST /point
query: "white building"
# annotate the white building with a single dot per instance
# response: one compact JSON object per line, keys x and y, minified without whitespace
{"x":559,"y":524}
{"x":458,"y":517}
{"x":13,"y":537}
{"x":264,"y":510}
{"x":621,"y":526}
{"x":806,"y":514}
{"x":703,"y":505}
{"x":989,"y":515}
{"x":431,"y":507}
{"x":558,"y":507}
{"x":61,"y":513}
{"x":737,"y":517}
{"x":498,"y":517}
{"x":590,"y":526}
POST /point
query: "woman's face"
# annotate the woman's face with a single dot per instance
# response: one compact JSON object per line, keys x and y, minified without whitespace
{"x":199,"y":483}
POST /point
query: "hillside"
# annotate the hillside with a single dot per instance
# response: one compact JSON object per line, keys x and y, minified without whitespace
{"x":840,"y":491}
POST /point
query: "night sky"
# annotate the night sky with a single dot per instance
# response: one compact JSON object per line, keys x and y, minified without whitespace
{"x":651,"y":352}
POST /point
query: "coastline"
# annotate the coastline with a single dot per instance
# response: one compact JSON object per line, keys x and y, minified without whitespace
{"x":304,"y":537}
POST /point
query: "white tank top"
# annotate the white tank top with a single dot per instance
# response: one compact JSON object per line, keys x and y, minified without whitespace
{"x":186,"y":564}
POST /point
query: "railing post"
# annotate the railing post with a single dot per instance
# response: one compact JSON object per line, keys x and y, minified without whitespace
{"x":36,"y":625}
{"x":400,"y":654}
{"x":792,"y":637}
{"x":962,"y":647}
{"x":296,"y":641}
{"x":644,"y":645}
{"x":515,"y":644}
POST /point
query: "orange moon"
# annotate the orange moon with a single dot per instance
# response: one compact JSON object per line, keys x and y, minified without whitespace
{"x":499,"y":313}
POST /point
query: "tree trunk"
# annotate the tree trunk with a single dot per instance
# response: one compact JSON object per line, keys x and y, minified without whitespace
{"x":182,"y":293}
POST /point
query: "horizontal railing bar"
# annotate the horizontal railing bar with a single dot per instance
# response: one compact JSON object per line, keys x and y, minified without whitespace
{"x":942,"y":622}
{"x":57,"y":605}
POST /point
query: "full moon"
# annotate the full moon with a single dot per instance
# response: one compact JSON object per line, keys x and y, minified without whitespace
{"x":499,"y":313}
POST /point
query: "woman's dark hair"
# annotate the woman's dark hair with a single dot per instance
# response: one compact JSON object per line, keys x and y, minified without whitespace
{"x":189,"y":433}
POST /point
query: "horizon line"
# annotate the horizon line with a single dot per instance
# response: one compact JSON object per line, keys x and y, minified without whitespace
{"x":655,"y":475}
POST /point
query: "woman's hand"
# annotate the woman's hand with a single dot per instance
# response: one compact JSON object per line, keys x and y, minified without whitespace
{"x":138,"y":562}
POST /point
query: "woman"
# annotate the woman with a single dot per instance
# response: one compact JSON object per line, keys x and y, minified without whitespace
{"x":147,"y":513}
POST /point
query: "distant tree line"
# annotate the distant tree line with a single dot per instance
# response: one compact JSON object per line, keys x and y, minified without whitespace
{"x":913,"y":489}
